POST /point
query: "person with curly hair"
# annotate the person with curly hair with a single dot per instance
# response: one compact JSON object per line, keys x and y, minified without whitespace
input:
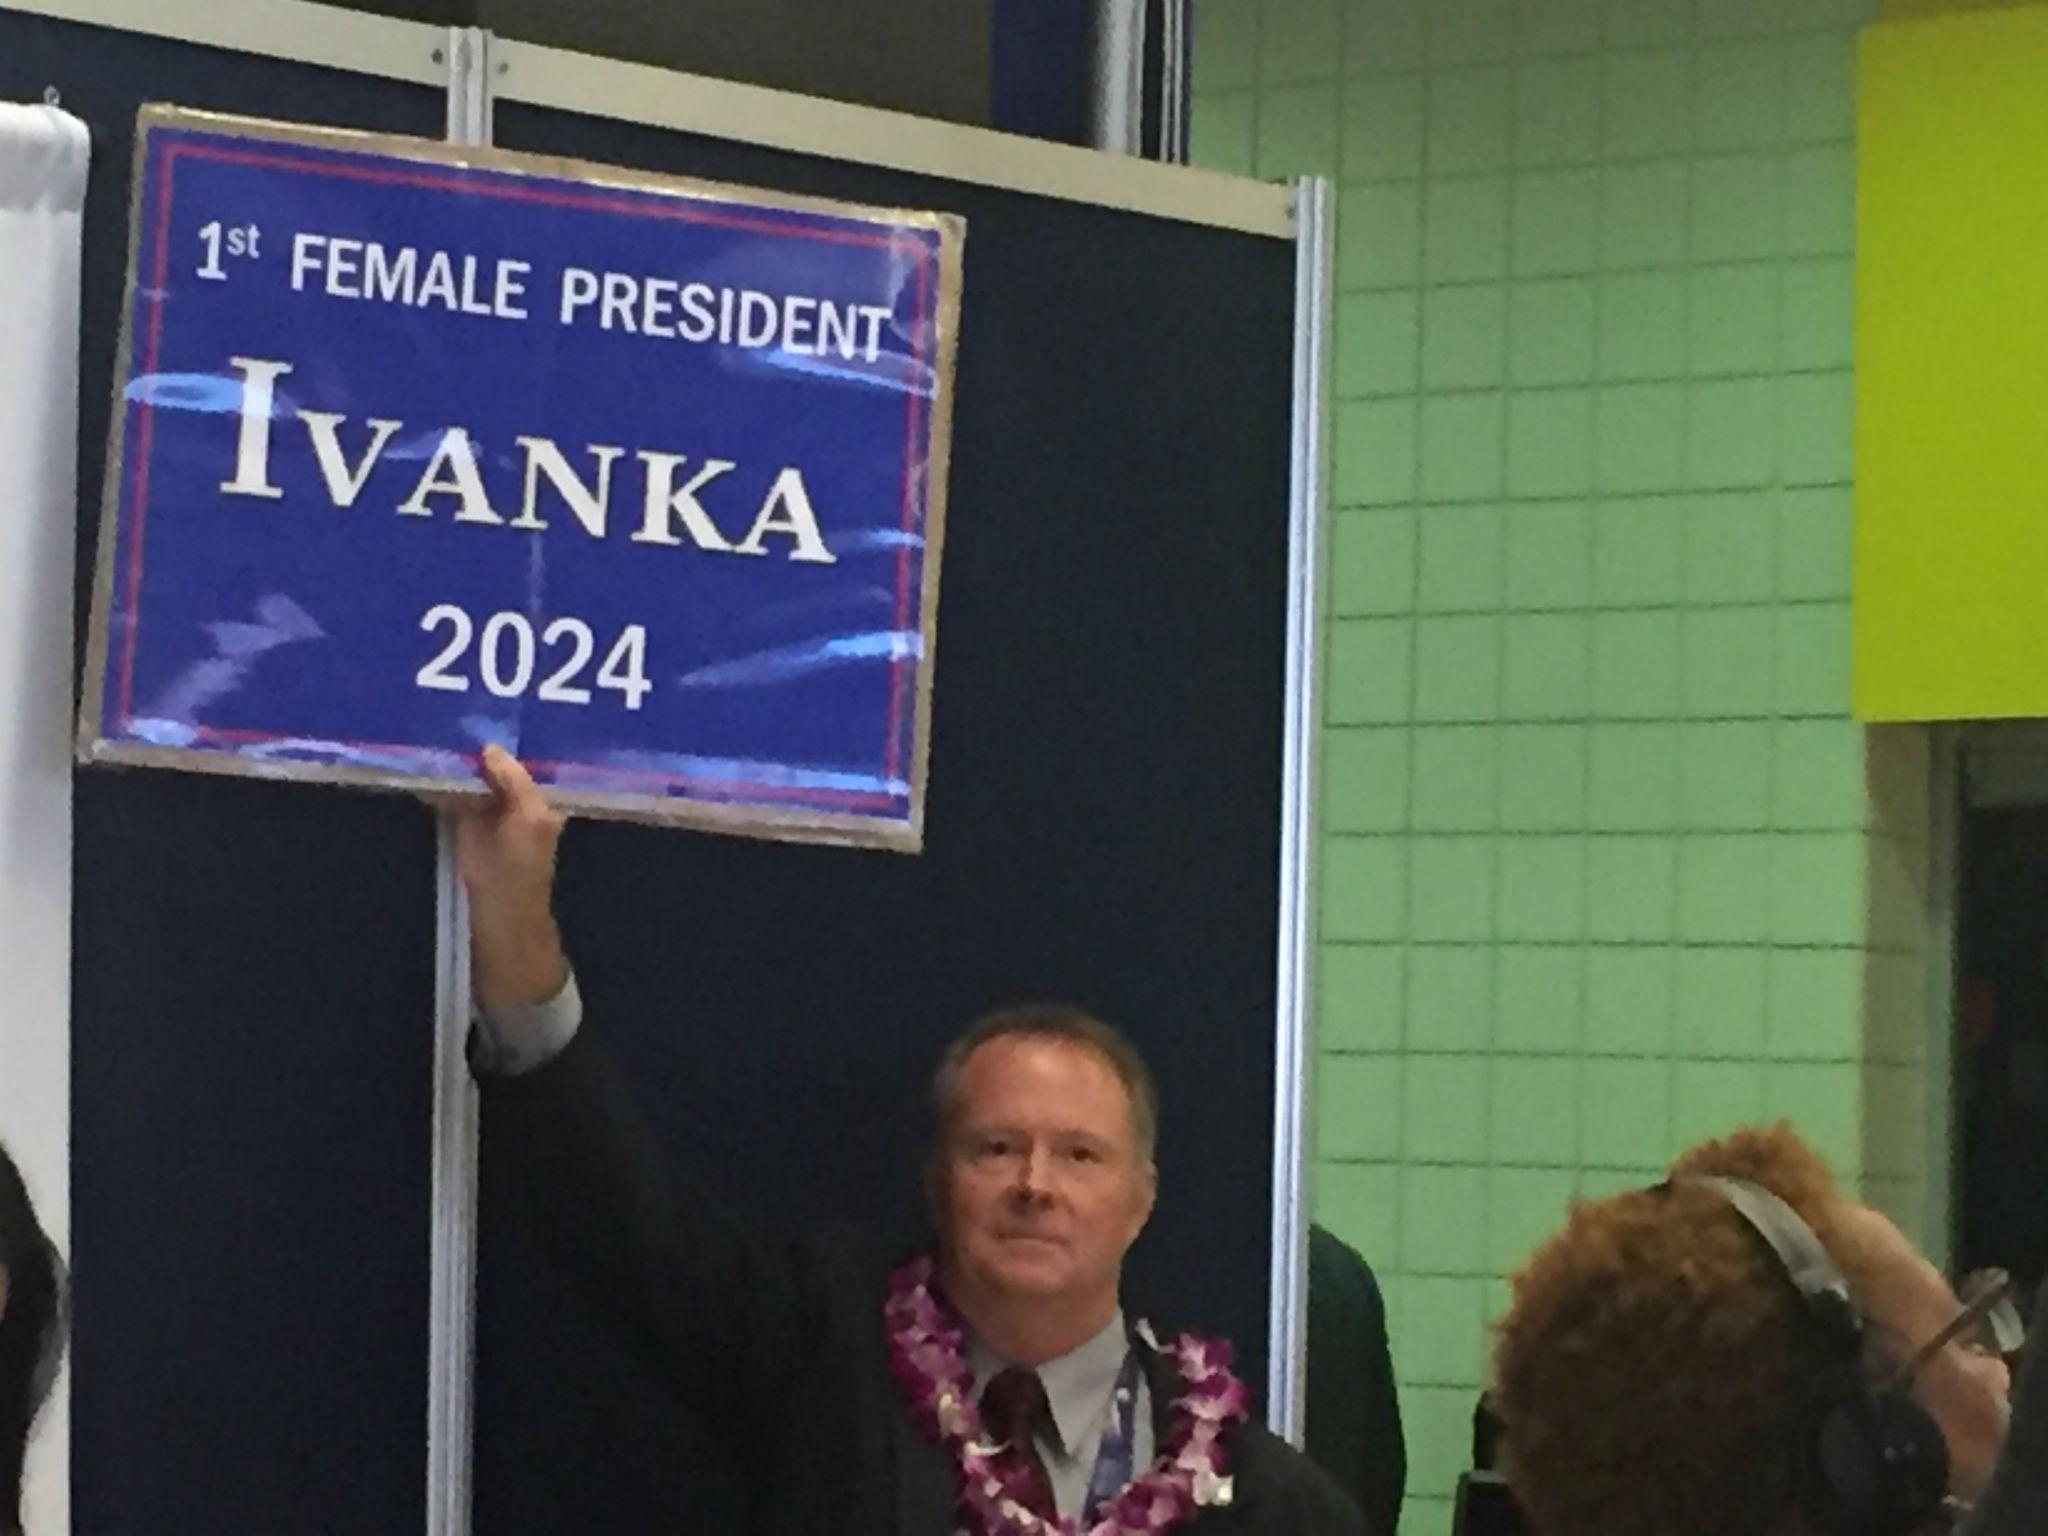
{"x":31,"y":1331}
{"x":1744,"y":1350}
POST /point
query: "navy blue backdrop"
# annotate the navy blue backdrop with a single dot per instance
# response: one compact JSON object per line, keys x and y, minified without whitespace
{"x":1042,"y":66}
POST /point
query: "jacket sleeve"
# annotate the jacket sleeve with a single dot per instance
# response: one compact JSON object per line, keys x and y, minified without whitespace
{"x":1289,"y":1495}
{"x":717,"y":1308}
{"x":1354,"y":1414}
{"x":1386,"y":1470}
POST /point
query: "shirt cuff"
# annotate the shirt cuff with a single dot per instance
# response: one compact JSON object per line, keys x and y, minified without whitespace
{"x":513,"y":1041}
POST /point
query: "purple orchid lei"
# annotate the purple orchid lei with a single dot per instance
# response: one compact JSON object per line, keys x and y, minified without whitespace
{"x":927,"y":1355}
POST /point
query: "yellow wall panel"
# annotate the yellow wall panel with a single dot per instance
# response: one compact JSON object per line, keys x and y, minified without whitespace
{"x":1951,"y":537}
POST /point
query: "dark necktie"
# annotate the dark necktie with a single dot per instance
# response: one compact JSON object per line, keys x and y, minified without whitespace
{"x":1014,"y":1410}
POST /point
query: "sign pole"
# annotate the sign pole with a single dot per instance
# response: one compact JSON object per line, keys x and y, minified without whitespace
{"x":452,"y":1325}
{"x":452,"y":1257}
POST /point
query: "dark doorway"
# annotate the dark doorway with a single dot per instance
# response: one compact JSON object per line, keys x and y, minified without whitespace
{"x":2002,"y":1042}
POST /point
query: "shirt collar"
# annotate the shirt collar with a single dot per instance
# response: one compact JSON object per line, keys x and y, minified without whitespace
{"x":1077,"y":1384}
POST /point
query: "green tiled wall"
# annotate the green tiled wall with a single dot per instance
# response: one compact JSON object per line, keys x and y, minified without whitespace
{"x":1602,"y":869}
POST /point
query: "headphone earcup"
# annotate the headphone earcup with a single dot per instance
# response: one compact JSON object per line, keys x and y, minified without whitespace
{"x":1878,"y":1464}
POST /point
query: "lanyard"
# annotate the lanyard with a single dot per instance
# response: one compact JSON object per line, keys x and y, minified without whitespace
{"x":1113,"y":1460}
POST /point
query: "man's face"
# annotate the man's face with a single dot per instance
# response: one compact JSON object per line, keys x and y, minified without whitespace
{"x":1904,"y":1295}
{"x":1041,"y":1184}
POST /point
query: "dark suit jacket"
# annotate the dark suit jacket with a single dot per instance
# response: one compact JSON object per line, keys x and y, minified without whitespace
{"x":1354,"y":1414}
{"x":779,"y":1346}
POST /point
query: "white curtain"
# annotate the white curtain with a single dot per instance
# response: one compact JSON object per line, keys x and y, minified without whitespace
{"x":43,"y":154}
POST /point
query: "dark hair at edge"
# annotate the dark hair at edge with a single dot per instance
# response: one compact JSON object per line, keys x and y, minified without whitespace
{"x":31,"y":1330}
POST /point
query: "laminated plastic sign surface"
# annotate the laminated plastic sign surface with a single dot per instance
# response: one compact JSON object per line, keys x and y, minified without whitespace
{"x":418,"y":448}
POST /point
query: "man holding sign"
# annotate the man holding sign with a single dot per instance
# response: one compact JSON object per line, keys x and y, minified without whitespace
{"x":993,"y":1386}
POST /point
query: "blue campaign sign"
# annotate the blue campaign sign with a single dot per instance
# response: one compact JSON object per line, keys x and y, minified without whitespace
{"x":419,"y":448}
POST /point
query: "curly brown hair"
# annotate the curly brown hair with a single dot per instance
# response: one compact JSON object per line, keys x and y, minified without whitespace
{"x":1654,"y":1369}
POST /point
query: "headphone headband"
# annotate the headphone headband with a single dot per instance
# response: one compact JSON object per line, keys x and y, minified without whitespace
{"x":1800,"y":1253}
